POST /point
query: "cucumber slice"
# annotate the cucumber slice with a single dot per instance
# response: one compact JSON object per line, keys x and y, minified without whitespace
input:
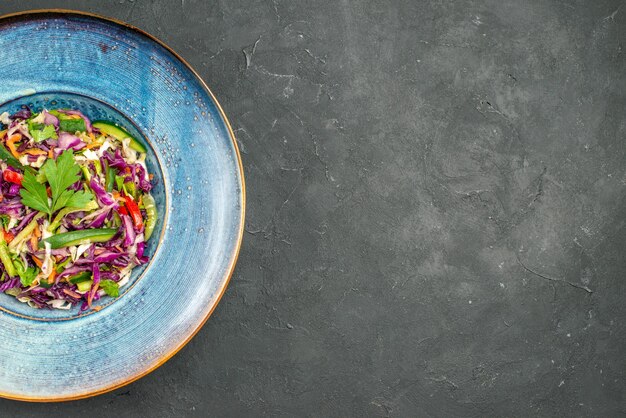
{"x":119,"y":133}
{"x":45,"y":283}
{"x":84,"y":286}
{"x":80,"y":277}
{"x":84,"y":236}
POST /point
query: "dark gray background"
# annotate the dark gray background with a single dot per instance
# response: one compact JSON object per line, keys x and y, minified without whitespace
{"x":436,"y":210}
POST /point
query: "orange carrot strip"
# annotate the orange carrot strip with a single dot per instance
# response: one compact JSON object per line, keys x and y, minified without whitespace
{"x":35,"y":151}
{"x":8,"y":237}
{"x":71,"y":293}
{"x":38,"y":261}
{"x":34,"y":241}
{"x":11,"y":145}
{"x":92,"y":293}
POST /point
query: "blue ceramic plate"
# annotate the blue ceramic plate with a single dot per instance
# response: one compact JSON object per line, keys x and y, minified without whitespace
{"x":115,"y":72}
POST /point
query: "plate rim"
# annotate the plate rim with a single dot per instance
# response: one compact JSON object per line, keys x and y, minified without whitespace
{"x":231,"y":267}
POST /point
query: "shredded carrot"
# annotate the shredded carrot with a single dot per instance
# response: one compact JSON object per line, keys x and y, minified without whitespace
{"x":35,"y":151}
{"x":92,"y":136}
{"x":97,"y":308}
{"x":52,"y":275}
{"x":151,"y":176}
{"x":34,"y":241}
{"x":118,"y":196}
{"x":11,"y":145}
{"x":92,"y":145}
{"x":50,"y":153}
{"x":73,"y":294}
{"x":92,"y":293}
{"x":38,"y":262}
{"x":37,"y":232}
{"x":8,"y":237}
{"x":1,"y":198}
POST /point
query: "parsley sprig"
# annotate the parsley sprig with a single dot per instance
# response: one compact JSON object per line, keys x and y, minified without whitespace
{"x":60,"y":175}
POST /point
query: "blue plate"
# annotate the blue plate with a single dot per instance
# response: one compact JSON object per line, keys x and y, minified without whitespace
{"x":115,"y":72}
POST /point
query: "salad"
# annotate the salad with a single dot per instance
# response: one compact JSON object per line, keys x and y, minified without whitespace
{"x":75,"y":208}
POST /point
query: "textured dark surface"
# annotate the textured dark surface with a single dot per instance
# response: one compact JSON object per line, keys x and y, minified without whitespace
{"x":436,"y":210}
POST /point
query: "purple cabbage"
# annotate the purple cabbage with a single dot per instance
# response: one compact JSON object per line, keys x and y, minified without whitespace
{"x":57,"y":291}
{"x":129,"y":231}
{"x":75,"y":269}
{"x":115,"y":160}
{"x":14,"y":190}
{"x":24,"y":113}
{"x":43,"y":145}
{"x":22,"y":147}
{"x":49,"y":119}
{"x":104,"y":198}
{"x":39,"y":299}
{"x":25,"y":221}
{"x":11,"y":207}
{"x":10,"y":284}
{"x":141,"y":258}
{"x":137,"y":173}
{"x":96,"y":281}
{"x":18,"y":127}
{"x":67,"y":141}
{"x":105,"y":257}
{"x":85,"y":304}
{"x":109,"y":275}
{"x":76,"y":186}
{"x":99,"y":220}
{"x":122,"y":261}
{"x":142,"y":181}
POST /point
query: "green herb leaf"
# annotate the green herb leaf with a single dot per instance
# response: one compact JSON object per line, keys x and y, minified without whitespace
{"x":42,"y":134}
{"x":34,"y":193}
{"x":110,"y":287}
{"x":79,"y":199}
{"x":129,"y":187}
{"x":34,"y":126}
{"x":27,"y":275}
{"x":72,"y":125}
{"x":119,"y":182}
{"x":60,"y":174}
{"x":4,"y":220}
{"x":61,"y":200}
